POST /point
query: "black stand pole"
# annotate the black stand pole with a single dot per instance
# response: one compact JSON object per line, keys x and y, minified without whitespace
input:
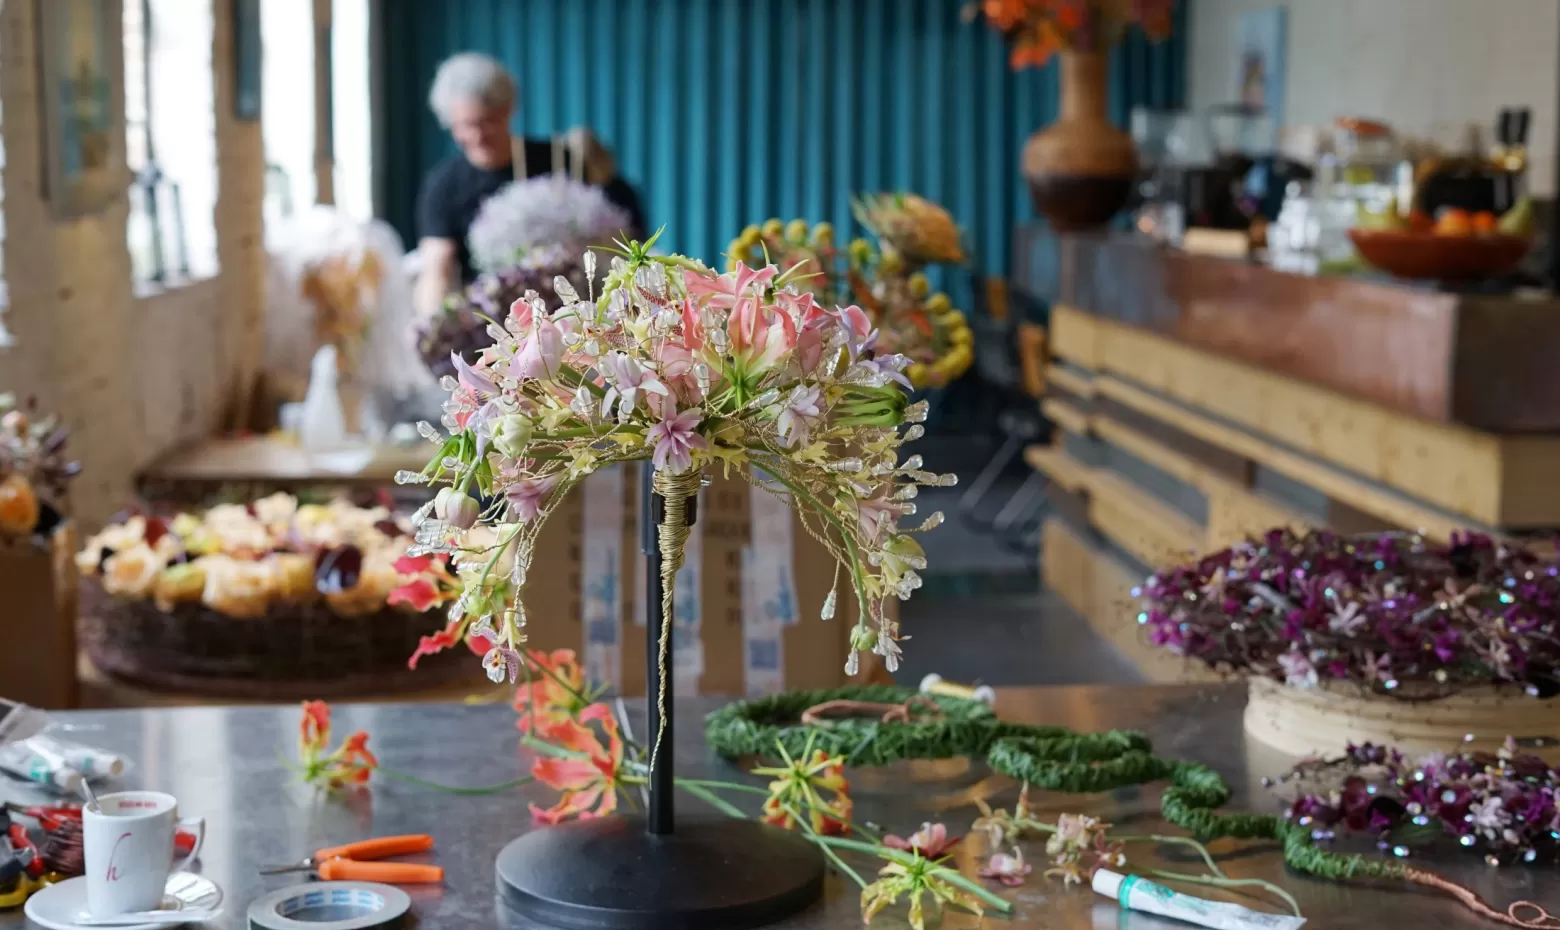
{"x":652,"y":510}
{"x":639,"y":873}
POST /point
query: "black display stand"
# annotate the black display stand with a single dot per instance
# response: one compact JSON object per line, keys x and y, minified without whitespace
{"x":655,"y":872}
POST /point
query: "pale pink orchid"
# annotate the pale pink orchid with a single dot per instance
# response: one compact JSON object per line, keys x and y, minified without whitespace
{"x":879,"y":516}
{"x":520,"y":314}
{"x":931,"y":841}
{"x":627,"y":380}
{"x":1009,"y":870}
{"x":528,"y":495}
{"x":675,"y":439}
{"x":693,"y":326}
{"x":727,"y":290}
{"x":473,"y":380}
{"x":540,"y":355}
{"x":799,"y":413}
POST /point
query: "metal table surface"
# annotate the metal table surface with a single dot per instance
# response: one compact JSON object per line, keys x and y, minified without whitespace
{"x":225,"y":764}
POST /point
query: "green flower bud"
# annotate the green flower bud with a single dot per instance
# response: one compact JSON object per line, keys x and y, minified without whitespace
{"x":511,"y":432}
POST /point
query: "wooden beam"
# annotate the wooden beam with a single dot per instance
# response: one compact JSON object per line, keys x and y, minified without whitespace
{"x":1078,"y":385}
{"x":1499,"y":481}
{"x":1154,"y":533}
{"x":1065,"y":415}
{"x":1099,"y":588}
{"x":1361,"y":495}
{"x":1059,"y":467}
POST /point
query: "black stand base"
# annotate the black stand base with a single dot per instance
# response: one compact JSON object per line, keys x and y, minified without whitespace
{"x":610,"y":873}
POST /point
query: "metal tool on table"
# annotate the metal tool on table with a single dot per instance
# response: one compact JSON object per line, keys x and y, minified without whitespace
{"x":347,"y":862}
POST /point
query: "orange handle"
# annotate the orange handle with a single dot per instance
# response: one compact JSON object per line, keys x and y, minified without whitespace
{"x":391,"y":873}
{"x":380,"y":848}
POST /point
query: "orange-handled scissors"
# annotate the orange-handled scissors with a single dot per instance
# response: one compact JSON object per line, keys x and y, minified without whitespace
{"x":345,"y":862}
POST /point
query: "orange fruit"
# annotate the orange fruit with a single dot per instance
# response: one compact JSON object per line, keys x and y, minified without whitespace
{"x":1419,"y":221}
{"x":1484,"y":221}
{"x":18,"y":506}
{"x":1454,"y":222}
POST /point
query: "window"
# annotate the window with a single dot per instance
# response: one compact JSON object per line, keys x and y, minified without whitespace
{"x":352,"y":124}
{"x":287,"y":109}
{"x":171,"y":140}
{"x":5,"y":294}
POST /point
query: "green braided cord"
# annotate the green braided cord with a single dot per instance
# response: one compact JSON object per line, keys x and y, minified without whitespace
{"x":1053,"y":758}
{"x":965,"y":728}
{"x":1088,"y":763}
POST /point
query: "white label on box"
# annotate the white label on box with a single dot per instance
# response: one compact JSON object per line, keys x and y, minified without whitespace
{"x":601,"y":556}
{"x":768,"y":592}
{"x":763,"y":649}
{"x":687,"y":616}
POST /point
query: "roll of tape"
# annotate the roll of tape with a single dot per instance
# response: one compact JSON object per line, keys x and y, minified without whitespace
{"x":329,"y":906}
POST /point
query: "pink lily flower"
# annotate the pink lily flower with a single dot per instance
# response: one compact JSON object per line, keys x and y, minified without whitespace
{"x":675,"y":440}
{"x":727,"y":290}
{"x":760,"y":335}
{"x":540,"y":355}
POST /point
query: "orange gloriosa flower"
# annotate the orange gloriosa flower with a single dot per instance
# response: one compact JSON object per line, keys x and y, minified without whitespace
{"x":350,"y":763}
{"x":554,"y":692}
{"x":797,"y":790}
{"x":588,"y":773}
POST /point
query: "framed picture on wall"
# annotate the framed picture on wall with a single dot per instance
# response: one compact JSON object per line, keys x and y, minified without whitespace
{"x":1259,"y":65}
{"x":80,"y":80}
{"x":247,"y":54}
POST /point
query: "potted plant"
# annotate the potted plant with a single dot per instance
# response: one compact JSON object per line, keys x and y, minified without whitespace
{"x":36,"y":573}
{"x":887,"y":280}
{"x":1386,"y":638}
{"x":1081,"y":167}
{"x":525,"y":237}
{"x":268,"y":599}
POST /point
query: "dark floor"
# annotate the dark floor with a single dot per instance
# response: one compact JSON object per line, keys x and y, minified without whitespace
{"x":1024,"y":639}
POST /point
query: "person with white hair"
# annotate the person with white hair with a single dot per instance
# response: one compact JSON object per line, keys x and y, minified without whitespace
{"x":474,"y":97}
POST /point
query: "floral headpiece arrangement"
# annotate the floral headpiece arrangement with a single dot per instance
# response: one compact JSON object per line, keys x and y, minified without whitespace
{"x":241,"y":560}
{"x":525,"y":236}
{"x":1037,"y":29}
{"x":34,"y":472}
{"x":1392,"y":613}
{"x":1505,"y":803}
{"x":887,"y":281}
{"x":689,"y":369}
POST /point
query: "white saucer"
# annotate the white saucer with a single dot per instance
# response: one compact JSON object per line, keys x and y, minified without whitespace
{"x":60,"y":906}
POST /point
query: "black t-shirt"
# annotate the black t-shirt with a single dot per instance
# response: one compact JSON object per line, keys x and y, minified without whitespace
{"x":455,"y":189}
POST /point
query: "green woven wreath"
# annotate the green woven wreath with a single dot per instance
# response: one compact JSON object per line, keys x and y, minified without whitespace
{"x":965,"y":728}
{"x":1054,"y":758}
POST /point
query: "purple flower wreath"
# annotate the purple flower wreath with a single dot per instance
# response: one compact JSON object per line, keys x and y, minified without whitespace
{"x":1393,"y":613}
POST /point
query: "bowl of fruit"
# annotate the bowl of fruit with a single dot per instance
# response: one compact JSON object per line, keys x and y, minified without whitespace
{"x":1454,"y":246}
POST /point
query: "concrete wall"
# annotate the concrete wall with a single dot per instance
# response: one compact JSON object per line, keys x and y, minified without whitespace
{"x":1423,"y":65}
{"x":133,"y":376}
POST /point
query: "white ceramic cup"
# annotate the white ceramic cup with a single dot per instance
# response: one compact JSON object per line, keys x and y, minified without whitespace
{"x":128,"y":841}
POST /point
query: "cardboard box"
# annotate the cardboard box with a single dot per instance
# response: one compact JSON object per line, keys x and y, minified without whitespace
{"x":748,"y":597}
{"x":38,"y":620}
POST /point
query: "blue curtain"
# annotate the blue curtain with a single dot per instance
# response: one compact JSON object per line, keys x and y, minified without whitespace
{"x":728,"y":112}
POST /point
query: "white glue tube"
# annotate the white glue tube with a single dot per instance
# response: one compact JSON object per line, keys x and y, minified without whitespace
{"x":1140,"y":894}
{"x":93,"y":763}
{"x":37,"y":764}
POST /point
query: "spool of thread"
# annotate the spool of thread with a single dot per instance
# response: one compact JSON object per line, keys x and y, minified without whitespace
{"x":936,"y":684}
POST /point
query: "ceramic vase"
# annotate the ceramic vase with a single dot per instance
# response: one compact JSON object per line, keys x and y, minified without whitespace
{"x":1080,"y":168}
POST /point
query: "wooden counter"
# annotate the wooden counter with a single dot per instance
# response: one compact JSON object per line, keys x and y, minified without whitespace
{"x":1198,"y":401}
{"x":1483,"y":362}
